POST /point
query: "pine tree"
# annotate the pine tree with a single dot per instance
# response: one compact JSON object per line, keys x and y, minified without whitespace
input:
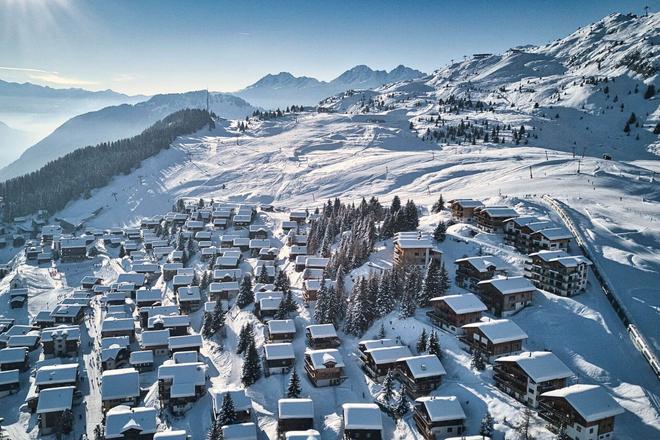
{"x":288,"y":303}
{"x":263,"y":275}
{"x":388,"y":387}
{"x":650,"y":91}
{"x":396,"y":204}
{"x":408,"y":300}
{"x":251,"y":365}
{"x":218,"y":317}
{"x":245,"y":294}
{"x":215,"y":431}
{"x":439,"y":205}
{"x":208,"y":327}
{"x":440,"y":232}
{"x":321,"y":311}
{"x":445,"y":282}
{"x":422,"y":342}
{"x":293,"y":389}
{"x":487,"y":424}
{"x":282,"y":282}
{"x":122,"y":251}
{"x":434,"y":345}
{"x":432,"y":284}
{"x":477,"y":361}
{"x":227,"y":415}
{"x":400,"y":406}
{"x":245,"y":336}
{"x":385,"y":301}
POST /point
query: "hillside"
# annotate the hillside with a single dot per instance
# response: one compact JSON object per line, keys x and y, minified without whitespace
{"x":117,"y":122}
{"x":284,"y":89}
{"x":13,"y":142}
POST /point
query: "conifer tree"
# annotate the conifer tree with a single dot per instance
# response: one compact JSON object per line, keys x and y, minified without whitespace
{"x":245,"y":294}
{"x":439,"y":205}
{"x":396,"y":204}
{"x":388,"y":387}
{"x":487,"y":425}
{"x":434,"y":345}
{"x":445,"y":282}
{"x":251,"y":365}
{"x":408,"y":300}
{"x":524,"y":426}
{"x":400,"y":406}
{"x":227,"y":415}
{"x":477,"y":361}
{"x":381,"y":331}
{"x":207,"y":327}
{"x":263,"y":275}
{"x":288,"y":303}
{"x":440,"y":232}
{"x":322,"y":305}
{"x":245,"y":336}
{"x":385,"y":300}
{"x":293,"y":389}
{"x":432,"y":284}
{"x":422,"y":342}
{"x":218,"y":317}
{"x":122,"y":251}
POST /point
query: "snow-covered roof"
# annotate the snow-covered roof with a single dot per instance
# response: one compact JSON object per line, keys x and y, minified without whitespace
{"x":224,"y":286}
{"x":562,"y":258}
{"x":55,"y":399}
{"x":183,"y":280}
{"x":499,"y":211}
{"x":442,"y":409}
{"x":154,"y":338}
{"x":120,"y":383}
{"x":295,"y":408}
{"x":69,"y":332}
{"x":179,"y":434}
{"x":540,"y":366}
{"x":322,"y":331}
{"x":193,"y":373}
{"x":484,"y":262}
{"x":279,"y":351}
{"x":270,"y":303}
{"x":135,"y":278}
{"x":422,"y":366}
{"x":370,"y":344}
{"x":122,"y":418}
{"x":421,"y":242}
{"x":321,"y":358}
{"x":185,"y":357}
{"x":387,"y":355}
{"x":117,"y":324}
{"x":60,"y":373}
{"x":185,"y":341}
{"x":122,"y":341}
{"x":189,"y":294}
{"x":467,"y":203}
{"x":316,"y":262}
{"x":12,"y":355}
{"x":277,"y":326}
{"x":499,"y":330}
{"x":309,"y":434}
{"x":241,"y":401}
{"x":509,"y":285}
{"x":9,"y":377}
{"x":592,"y":402}
{"x":362,"y":416}
{"x":239,"y":431}
{"x":148,"y":295}
{"x":556,"y":233}
{"x":315,"y":284}
{"x":141,"y":357}
{"x":463,"y":303}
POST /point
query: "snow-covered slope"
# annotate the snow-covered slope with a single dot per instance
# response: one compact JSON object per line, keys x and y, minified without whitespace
{"x":118,"y":122}
{"x":13,"y":143}
{"x":284,"y":89}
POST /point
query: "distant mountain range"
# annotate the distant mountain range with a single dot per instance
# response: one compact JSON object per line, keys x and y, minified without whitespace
{"x":284,"y":89}
{"x":117,"y":122}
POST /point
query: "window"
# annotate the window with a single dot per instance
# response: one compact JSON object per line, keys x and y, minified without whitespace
{"x":591,"y":430}
{"x":578,"y":428}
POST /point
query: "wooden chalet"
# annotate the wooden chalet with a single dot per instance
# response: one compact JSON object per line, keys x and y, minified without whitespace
{"x":506,"y":296}
{"x":322,"y":336}
{"x":379,"y":361}
{"x":10,"y":382}
{"x":120,"y":387}
{"x":586,"y":411}
{"x":278,"y":358}
{"x":492,"y":218}
{"x":414,"y":249}
{"x":51,"y":405}
{"x":527,"y":375}
{"x":463,"y":209}
{"x":439,"y":417}
{"x":471,"y":270}
{"x":125,"y":423}
{"x":451,"y":312}
{"x":324,"y":367}
{"x":420,"y":375}
{"x":242,"y":403}
{"x":493,"y":339}
{"x":180,"y":385}
{"x":294,"y":415}
{"x":281,"y":330}
{"x":362,"y":421}
{"x":61,"y":341}
{"x":15,"y":358}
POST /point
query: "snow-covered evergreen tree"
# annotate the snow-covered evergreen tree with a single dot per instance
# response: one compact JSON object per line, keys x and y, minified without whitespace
{"x":251,"y":371}
{"x":385,"y":300}
{"x":227,"y":414}
{"x":440,"y":232}
{"x":293,"y":389}
{"x":387,"y":393}
{"x":207,"y":326}
{"x":487,"y":426}
{"x":422,"y":343}
{"x":245,"y":294}
{"x":400,"y":406}
{"x":439,"y":205}
{"x":321,"y":308}
{"x":263,"y":275}
{"x":218,"y":317}
{"x":245,"y":337}
{"x":477,"y":361}
{"x":432,"y":284}
{"x":434,"y":345}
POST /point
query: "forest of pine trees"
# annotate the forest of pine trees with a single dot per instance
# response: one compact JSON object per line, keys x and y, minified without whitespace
{"x":79,"y":172}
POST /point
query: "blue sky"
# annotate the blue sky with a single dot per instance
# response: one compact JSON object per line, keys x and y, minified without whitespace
{"x":149,"y":46}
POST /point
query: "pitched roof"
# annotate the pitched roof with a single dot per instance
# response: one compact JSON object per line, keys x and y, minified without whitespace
{"x":279,"y":351}
{"x":592,"y":402}
{"x":424,"y":366}
{"x":120,"y":383}
{"x":122,"y":418}
{"x":322,"y":331}
{"x":295,"y":408}
{"x":482,"y":263}
{"x":320,"y":358}
{"x":509,"y":285}
{"x":386,"y":355}
{"x":540,"y":366}
{"x":463,"y":303}
{"x":442,"y":409}
{"x":499,"y":330}
{"x":362,"y":416}
{"x":281,"y":326}
{"x":55,"y":399}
